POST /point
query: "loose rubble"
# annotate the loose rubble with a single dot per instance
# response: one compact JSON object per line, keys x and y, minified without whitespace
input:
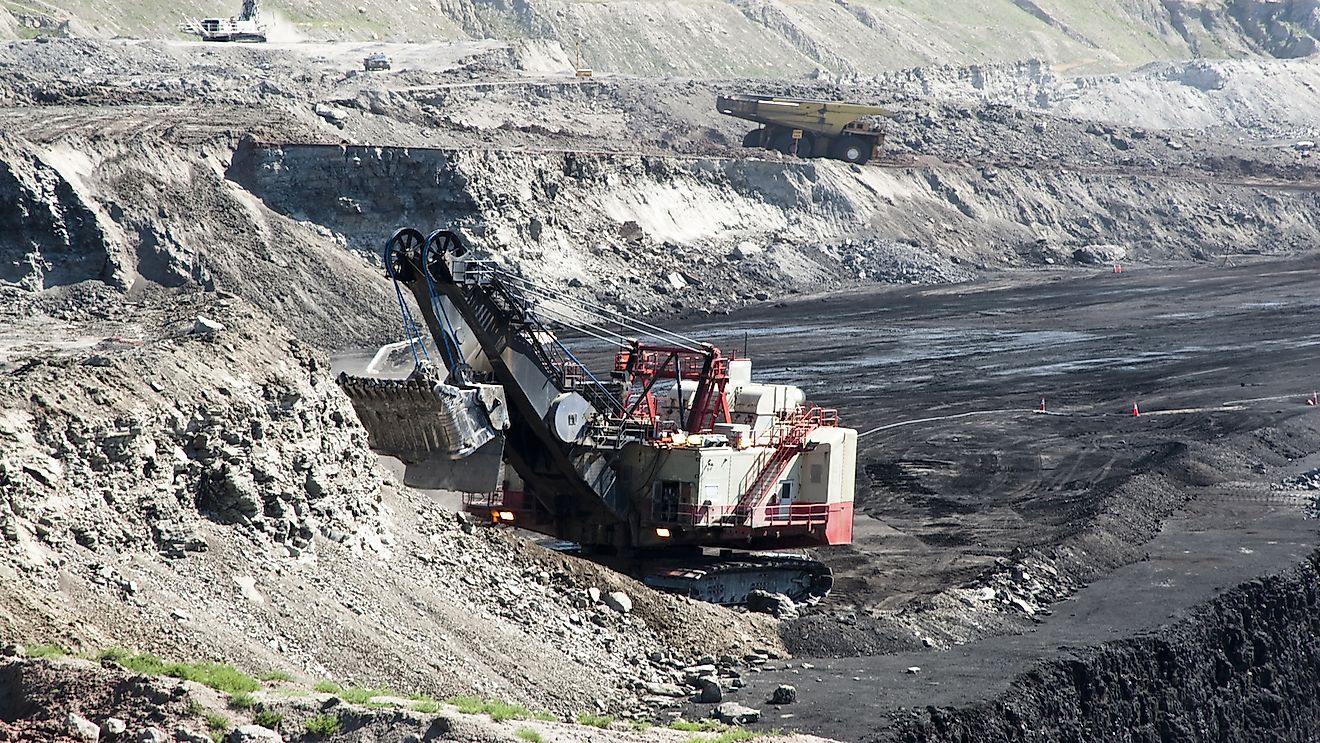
{"x":214,"y":494}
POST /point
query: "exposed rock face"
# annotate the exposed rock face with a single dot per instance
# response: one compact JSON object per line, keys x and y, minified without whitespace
{"x":49,"y":234}
{"x":780,"y":39}
{"x":1232,"y":671}
{"x":130,"y":464}
{"x":121,"y":213}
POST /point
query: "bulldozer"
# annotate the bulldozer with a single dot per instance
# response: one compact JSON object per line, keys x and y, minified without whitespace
{"x":666,"y":461}
{"x":851,"y":132}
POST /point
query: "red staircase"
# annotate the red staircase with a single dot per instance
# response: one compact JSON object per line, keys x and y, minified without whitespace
{"x":787,"y":440}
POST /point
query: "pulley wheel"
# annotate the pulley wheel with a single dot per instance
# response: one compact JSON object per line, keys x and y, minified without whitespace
{"x":403,"y":253}
{"x":440,"y":244}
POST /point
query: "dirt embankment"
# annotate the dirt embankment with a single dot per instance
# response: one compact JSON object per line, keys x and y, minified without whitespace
{"x":181,"y":475}
{"x":773,"y":38}
{"x":662,"y":233}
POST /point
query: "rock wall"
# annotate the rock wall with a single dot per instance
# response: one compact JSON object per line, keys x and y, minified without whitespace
{"x":619,"y":226}
{"x":127,"y":450}
{"x":50,"y":235}
{"x":1240,"y":669}
{"x":132,"y":213}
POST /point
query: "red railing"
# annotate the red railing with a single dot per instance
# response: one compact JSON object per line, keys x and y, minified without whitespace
{"x":798,"y":514}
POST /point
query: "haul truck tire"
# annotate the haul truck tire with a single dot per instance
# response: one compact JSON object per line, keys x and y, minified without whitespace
{"x":781,"y":139}
{"x":753,"y":138}
{"x":856,"y":150}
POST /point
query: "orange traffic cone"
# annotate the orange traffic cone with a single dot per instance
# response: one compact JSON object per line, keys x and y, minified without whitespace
{"x":1118,"y":268}
{"x":1136,"y":411}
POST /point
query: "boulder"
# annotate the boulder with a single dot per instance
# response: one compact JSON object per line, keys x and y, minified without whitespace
{"x":745,"y":250}
{"x":776,"y":605}
{"x":81,"y":728}
{"x":206,"y":326}
{"x":465,"y":522}
{"x":695,"y":673}
{"x":177,"y":539}
{"x":732,"y":713}
{"x":618,"y":601}
{"x":784,"y":694}
{"x":254,"y":734}
{"x":333,"y":115}
{"x":664,"y":690}
{"x":711,"y":693}
{"x":1095,"y":255}
{"x":113,"y":728}
{"x":152,"y":735}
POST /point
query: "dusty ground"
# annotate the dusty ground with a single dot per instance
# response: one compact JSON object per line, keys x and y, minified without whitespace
{"x":1068,"y":529}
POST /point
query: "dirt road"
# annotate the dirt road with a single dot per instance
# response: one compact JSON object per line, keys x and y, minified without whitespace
{"x":961,"y":477}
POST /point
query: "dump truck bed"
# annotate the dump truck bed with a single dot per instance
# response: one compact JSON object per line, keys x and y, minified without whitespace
{"x":825,"y":117}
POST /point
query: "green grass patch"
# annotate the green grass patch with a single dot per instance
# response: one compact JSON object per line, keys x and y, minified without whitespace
{"x":323,"y":725}
{"x":218,"y":726}
{"x":242,"y":700}
{"x":113,"y":654}
{"x":501,"y":711}
{"x":595,"y":721}
{"x":735,"y":735}
{"x":276,"y":676}
{"x":356,"y":694}
{"x":426,"y":706}
{"x":362,"y":695}
{"x":269,"y":719}
{"x":45,"y":651}
{"x":498,"y":711}
{"x":529,"y":735}
{"x":219,"y":676}
{"x":698,"y":726}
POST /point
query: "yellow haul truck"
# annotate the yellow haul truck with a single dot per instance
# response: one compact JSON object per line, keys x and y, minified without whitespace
{"x":844,"y":131}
